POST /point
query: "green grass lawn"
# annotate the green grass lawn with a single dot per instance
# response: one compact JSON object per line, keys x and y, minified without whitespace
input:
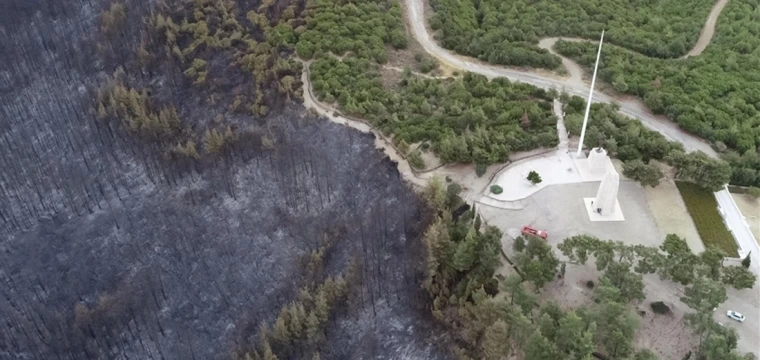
{"x":703,"y":209}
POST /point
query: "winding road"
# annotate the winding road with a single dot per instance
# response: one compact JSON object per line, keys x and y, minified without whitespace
{"x":629,"y":106}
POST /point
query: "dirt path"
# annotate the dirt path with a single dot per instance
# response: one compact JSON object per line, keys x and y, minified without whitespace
{"x":629,"y":106}
{"x":708,"y":30}
{"x":464,"y":175}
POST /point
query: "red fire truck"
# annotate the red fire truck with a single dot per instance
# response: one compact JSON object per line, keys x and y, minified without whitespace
{"x":527,"y":230}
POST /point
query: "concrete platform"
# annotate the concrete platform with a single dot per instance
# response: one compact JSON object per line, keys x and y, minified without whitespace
{"x":554,"y":169}
{"x":584,"y":170}
{"x":617,"y":215}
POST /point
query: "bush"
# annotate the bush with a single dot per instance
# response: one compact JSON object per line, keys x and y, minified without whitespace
{"x":403,"y":147}
{"x":746,"y":262}
{"x":416,"y":161}
{"x":659,"y":307}
{"x":534,"y":178}
{"x":703,"y":209}
{"x":590,"y":284}
{"x":496,"y":189}
{"x":480,"y":169}
{"x":452,"y":192}
{"x":754,"y":192}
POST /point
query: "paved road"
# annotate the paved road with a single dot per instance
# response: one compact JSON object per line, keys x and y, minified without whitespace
{"x":745,"y":301}
{"x":739,"y":228}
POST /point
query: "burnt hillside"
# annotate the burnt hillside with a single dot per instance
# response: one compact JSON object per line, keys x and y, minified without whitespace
{"x":146,"y":214}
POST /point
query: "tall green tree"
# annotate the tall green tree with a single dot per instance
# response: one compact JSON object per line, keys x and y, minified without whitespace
{"x":739,"y":277}
{"x":574,"y":338}
{"x":645,"y":174}
{"x":518,"y":294}
{"x":540,"y":348}
{"x":629,"y":284}
{"x":680,"y":262}
{"x":536,"y":260}
{"x":703,"y":170}
{"x":495,"y":345}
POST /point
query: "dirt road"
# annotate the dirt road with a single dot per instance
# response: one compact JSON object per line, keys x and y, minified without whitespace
{"x":708,"y":30}
{"x":629,"y":106}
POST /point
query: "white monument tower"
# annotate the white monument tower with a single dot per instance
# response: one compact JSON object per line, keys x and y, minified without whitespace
{"x":598,"y":161}
{"x":605,"y":206}
{"x":588,"y":101}
{"x":606,"y":196}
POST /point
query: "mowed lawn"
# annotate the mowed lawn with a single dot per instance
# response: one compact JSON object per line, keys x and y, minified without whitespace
{"x":703,"y":209}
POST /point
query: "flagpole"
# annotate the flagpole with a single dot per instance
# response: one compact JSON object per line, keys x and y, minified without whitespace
{"x":590,"y":94}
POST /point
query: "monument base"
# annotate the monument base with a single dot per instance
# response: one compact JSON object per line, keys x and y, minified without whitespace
{"x":616,"y":215}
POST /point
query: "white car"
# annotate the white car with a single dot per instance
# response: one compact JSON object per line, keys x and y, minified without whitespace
{"x":735,"y":315}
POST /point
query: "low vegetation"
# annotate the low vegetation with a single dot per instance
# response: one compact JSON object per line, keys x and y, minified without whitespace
{"x":629,"y":141}
{"x":507,"y":32}
{"x":659,"y":307}
{"x":703,"y":209}
{"x":467,"y":120}
{"x":534,"y":177}
{"x":362,"y":28}
{"x":715,"y":95}
{"x":496,"y":189}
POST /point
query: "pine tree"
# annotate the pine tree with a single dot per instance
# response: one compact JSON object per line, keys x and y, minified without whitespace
{"x":321,"y":308}
{"x":466,"y":253}
{"x":540,"y":348}
{"x":746,"y":261}
{"x":313,"y":329}
{"x":280,"y":332}
{"x":267,"y":353}
{"x":297,"y":318}
{"x":495,"y":344}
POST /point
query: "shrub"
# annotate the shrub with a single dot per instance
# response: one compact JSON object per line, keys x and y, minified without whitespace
{"x":403,"y":147}
{"x":534,"y":178}
{"x":746,"y":261}
{"x":452,"y":192}
{"x":496,"y":189}
{"x":703,"y":209}
{"x":590,"y":284}
{"x":754,"y":192}
{"x":480,"y":169}
{"x":415,"y":159}
{"x":659,"y":307}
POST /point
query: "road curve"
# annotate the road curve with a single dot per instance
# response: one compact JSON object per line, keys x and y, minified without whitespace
{"x":629,"y":106}
{"x":708,"y":30}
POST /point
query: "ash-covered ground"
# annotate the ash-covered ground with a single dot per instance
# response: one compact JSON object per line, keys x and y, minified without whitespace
{"x":110,"y":249}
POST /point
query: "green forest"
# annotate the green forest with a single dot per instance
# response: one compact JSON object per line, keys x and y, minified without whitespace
{"x":506,"y":32}
{"x":715,"y":95}
{"x":467,"y":119}
{"x":362,"y":27}
{"x":628,"y":140}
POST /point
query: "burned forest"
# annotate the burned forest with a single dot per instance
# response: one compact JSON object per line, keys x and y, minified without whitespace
{"x":164,"y":195}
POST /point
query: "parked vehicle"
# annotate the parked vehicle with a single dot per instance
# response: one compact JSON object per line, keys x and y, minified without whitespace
{"x":529,"y":231}
{"x":735,"y":315}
